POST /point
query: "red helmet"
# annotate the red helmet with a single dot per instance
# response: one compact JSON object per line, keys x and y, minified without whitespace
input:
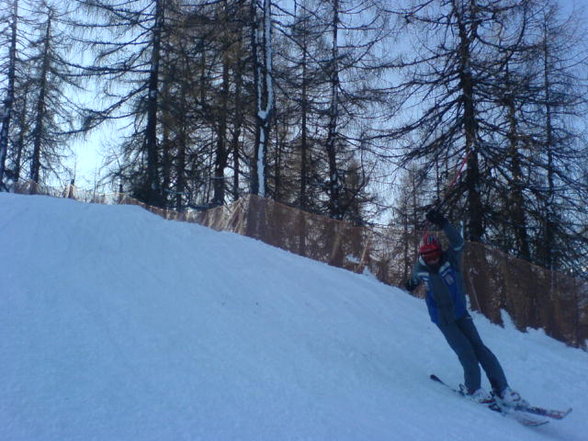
{"x":430,"y":248}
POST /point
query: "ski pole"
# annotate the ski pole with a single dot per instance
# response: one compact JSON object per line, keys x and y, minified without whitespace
{"x":440,"y":203}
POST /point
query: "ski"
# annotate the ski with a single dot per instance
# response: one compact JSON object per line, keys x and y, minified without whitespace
{"x":550,"y":413}
{"x":522,"y":417}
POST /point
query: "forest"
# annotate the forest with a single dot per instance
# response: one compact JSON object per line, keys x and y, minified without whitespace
{"x":366,"y":111}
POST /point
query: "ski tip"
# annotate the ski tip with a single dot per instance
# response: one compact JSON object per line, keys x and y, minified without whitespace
{"x":554,"y":414}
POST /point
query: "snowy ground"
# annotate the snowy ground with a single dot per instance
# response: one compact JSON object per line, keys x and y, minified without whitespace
{"x":116,"y":325}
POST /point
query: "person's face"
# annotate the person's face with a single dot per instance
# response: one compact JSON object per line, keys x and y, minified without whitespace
{"x":433,"y":261}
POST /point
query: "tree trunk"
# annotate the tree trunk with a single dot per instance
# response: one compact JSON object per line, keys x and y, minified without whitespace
{"x":38,"y":131}
{"x":304,"y":133}
{"x":222,"y":157}
{"x":9,"y":100}
{"x":517,"y":201}
{"x":474,"y":203}
{"x":235,"y":147}
{"x":548,"y":225}
{"x":334,"y":182}
{"x":262,"y":56}
{"x":154,"y":187}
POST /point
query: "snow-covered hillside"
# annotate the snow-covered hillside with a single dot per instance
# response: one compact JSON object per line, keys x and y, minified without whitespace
{"x":116,"y":325}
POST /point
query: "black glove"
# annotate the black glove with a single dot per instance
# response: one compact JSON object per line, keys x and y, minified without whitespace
{"x":436,"y":218}
{"x":410,"y":285}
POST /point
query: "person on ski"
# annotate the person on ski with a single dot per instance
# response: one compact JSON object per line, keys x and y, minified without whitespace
{"x":441,"y":272}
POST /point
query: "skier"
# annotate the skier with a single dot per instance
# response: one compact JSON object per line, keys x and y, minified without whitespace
{"x":440,"y":271}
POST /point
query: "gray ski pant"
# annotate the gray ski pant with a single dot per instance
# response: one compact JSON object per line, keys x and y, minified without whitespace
{"x":465,"y":341}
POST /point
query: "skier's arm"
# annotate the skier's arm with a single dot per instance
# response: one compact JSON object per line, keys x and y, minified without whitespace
{"x":456,"y":241}
{"x":455,"y":238}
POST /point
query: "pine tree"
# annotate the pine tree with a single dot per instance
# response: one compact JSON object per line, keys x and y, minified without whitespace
{"x":127,"y":42}
{"x":560,"y":105}
{"x":491,"y":91}
{"x":329,"y":68}
{"x":453,"y":74}
{"x":52,"y":110}
{"x":302,"y":79}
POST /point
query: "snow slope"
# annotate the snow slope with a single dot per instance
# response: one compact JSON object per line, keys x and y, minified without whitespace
{"x":118,"y":325}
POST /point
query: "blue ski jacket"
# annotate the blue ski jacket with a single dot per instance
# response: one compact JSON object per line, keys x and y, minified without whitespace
{"x":445,"y":292}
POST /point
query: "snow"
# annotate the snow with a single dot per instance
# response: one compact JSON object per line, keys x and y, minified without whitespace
{"x":118,"y":325}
